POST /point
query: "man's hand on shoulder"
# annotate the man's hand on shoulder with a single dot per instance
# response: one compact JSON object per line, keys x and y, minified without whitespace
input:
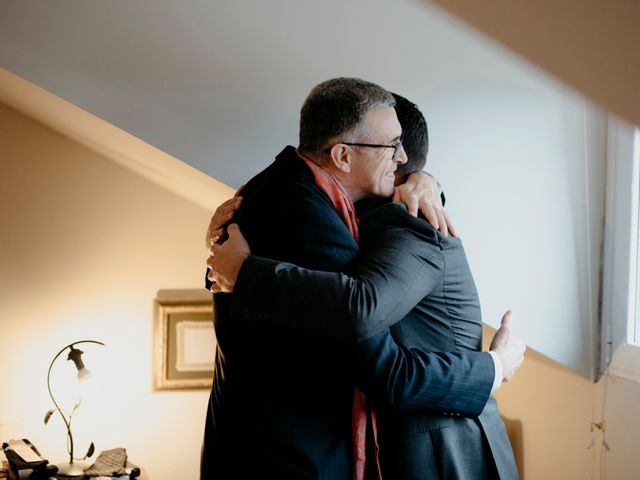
{"x":226,"y":260}
{"x":508,"y":347}
{"x":420,"y":192}
{"x":222,"y":215}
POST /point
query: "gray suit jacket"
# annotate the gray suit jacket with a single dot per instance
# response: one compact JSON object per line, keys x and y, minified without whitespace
{"x":410,"y":261}
{"x":447,"y":319}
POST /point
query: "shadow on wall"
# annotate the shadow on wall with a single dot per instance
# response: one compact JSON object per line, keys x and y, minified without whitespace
{"x":514,"y":431}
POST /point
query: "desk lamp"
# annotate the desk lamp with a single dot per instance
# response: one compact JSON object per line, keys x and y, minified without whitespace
{"x":75,"y":355}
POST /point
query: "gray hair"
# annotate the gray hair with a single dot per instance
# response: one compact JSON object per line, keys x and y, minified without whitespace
{"x":335,"y":110}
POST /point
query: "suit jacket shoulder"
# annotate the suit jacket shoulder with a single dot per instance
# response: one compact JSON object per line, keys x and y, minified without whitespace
{"x":285,"y":216}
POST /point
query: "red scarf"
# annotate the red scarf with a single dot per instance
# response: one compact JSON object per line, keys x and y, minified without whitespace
{"x":366,"y":463}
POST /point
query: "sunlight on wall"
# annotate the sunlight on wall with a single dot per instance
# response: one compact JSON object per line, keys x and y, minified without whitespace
{"x":86,"y":245}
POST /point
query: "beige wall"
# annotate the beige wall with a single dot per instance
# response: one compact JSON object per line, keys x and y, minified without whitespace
{"x":556,"y":407}
{"x":621,"y":400}
{"x":85,"y":244}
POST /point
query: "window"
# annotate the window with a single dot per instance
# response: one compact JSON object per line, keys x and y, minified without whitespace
{"x":633,"y":336}
{"x":621,"y":266}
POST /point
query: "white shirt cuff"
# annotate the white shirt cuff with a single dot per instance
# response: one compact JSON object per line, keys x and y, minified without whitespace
{"x":497,"y":364}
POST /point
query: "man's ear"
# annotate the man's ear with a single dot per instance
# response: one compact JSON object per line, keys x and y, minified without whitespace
{"x":340,"y":157}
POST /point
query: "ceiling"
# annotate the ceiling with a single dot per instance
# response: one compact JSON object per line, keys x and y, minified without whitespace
{"x":219,"y":84}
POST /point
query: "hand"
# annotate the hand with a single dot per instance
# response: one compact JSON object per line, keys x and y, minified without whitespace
{"x":222,"y":215}
{"x":509,"y":348}
{"x":226,"y":260}
{"x":420,"y":191}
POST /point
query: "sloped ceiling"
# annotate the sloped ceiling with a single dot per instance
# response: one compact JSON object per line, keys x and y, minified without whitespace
{"x":590,"y":44}
{"x":219,"y":84}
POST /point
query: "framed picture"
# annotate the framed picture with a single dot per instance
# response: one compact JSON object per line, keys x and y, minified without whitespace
{"x":184,"y":342}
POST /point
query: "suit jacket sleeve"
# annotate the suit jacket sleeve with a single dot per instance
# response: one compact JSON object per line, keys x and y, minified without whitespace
{"x":396,"y":270}
{"x":397,"y":267}
{"x":409,"y":379}
{"x":402,"y":378}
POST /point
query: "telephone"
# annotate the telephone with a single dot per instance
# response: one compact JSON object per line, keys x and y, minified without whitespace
{"x":25,"y":461}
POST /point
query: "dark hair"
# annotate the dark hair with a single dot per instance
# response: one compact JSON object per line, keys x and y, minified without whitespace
{"x":415,"y":136}
{"x":334,"y":110}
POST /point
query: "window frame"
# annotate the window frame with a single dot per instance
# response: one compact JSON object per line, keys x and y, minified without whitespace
{"x":633,"y":332}
{"x":620,"y":349}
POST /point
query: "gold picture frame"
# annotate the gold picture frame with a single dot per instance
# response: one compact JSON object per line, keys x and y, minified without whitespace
{"x":183,"y":340}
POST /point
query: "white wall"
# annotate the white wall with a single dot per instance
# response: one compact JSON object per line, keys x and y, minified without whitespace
{"x":522,"y":163}
{"x":523,"y":168}
{"x":84,"y":247}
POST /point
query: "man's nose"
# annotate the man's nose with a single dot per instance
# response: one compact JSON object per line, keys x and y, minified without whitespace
{"x":401,"y":156}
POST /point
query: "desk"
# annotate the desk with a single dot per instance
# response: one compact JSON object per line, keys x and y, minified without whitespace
{"x":4,"y":470}
{"x":4,"y":475}
{"x":143,"y":476}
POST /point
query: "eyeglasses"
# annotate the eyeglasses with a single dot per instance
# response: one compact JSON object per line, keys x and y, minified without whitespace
{"x":396,"y":147}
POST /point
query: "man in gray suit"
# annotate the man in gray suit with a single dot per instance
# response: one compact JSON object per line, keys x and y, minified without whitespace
{"x":412,"y":444}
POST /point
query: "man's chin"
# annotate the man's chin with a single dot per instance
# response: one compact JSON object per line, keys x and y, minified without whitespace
{"x":386,"y":191}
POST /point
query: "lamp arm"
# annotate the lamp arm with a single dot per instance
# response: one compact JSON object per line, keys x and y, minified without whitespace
{"x":67,"y":423}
